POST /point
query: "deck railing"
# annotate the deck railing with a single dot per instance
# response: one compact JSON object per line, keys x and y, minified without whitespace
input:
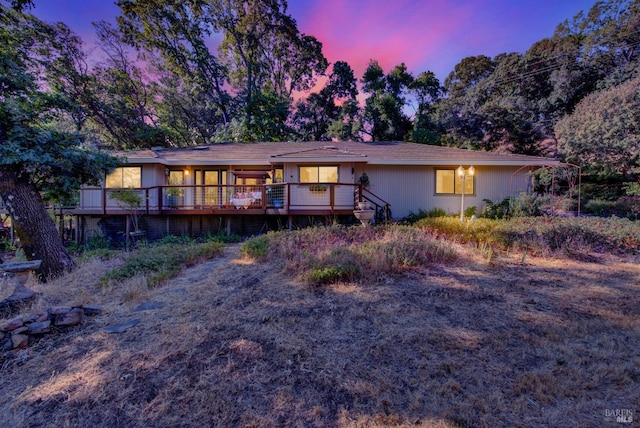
{"x":277,"y":198}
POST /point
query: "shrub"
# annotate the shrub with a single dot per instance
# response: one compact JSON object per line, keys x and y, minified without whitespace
{"x":524,"y":205}
{"x":495,"y":210}
{"x":174,"y":240}
{"x":470,"y":211}
{"x":257,"y":247}
{"x":599,"y":207}
{"x":348,"y":270}
{"x":414,"y":217}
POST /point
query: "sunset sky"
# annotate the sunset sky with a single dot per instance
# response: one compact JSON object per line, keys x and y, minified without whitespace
{"x":424,"y":34}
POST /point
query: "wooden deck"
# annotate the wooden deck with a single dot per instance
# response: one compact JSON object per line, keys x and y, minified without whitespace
{"x":282,"y":199}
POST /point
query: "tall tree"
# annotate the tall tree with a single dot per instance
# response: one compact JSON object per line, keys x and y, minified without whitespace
{"x":37,"y":157}
{"x":383,"y":116}
{"x":119,"y":98}
{"x":314,"y":116}
{"x":181,"y":33}
{"x":603,"y":133}
{"x":261,"y":60}
{"x":427,"y":91}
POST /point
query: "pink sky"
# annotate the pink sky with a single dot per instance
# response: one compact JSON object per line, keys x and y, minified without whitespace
{"x":424,"y":34}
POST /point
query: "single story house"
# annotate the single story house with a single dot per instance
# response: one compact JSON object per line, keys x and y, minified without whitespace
{"x":249,"y":187}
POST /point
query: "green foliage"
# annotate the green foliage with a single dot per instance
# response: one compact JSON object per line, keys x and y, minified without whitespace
{"x":632,"y":189}
{"x":163,"y":261}
{"x":126,"y":198}
{"x":257,"y":247}
{"x":33,"y":144}
{"x":495,"y":210}
{"x":470,"y":211}
{"x":599,"y":207}
{"x":414,"y":217}
{"x":609,"y":118}
{"x":340,"y":264}
{"x":222,"y":237}
{"x":524,"y":205}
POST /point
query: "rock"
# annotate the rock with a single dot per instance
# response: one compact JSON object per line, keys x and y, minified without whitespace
{"x":20,"y":330}
{"x":59,"y":310}
{"x":40,"y":327}
{"x":90,"y":310}
{"x":19,"y":341}
{"x":149,"y":305}
{"x":7,"y":345}
{"x":121,"y":328}
{"x":12,"y":324}
{"x":22,"y":294}
{"x":74,"y":317}
{"x":36,"y":317}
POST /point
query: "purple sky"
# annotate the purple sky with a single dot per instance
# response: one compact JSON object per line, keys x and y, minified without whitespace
{"x":424,"y":34}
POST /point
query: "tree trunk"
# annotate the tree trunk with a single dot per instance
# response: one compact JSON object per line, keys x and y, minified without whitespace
{"x":33,"y":225}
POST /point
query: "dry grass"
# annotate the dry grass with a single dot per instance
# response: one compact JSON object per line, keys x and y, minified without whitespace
{"x":240,"y":343}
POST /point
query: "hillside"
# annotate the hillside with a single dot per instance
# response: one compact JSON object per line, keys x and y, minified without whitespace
{"x":232,"y":342}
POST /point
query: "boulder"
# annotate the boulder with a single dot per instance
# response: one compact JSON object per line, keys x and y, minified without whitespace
{"x":90,"y":310}
{"x":58,"y":310}
{"x":12,"y":324}
{"x":40,"y":327}
{"x":75,"y":316}
{"x":19,"y":341}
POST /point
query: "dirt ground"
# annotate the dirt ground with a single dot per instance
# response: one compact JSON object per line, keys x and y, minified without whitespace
{"x":547,"y":342}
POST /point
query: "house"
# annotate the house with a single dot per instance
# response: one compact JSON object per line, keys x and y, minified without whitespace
{"x":249,"y":187}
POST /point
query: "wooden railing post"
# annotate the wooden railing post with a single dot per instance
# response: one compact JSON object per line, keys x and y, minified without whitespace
{"x":104,"y":201}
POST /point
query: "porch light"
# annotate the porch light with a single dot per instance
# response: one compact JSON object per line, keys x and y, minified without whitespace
{"x":186,"y":172}
{"x":462,"y":173}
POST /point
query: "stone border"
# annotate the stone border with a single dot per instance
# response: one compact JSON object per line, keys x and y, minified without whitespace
{"x":21,"y":331}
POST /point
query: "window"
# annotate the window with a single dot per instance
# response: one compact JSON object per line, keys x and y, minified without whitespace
{"x":448,"y":183}
{"x":318,"y":174}
{"x":124,"y":177}
{"x":176,"y":178}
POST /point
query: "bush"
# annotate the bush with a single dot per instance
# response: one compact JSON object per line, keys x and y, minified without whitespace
{"x":414,"y":217}
{"x":599,"y":207}
{"x":257,"y":247}
{"x":524,"y":205}
{"x":495,"y":210}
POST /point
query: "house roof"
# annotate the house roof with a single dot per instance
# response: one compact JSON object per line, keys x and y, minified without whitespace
{"x":375,"y":153}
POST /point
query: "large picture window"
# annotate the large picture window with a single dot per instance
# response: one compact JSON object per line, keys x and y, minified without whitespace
{"x":449,"y":183}
{"x":318,"y":174}
{"x":124,"y":177}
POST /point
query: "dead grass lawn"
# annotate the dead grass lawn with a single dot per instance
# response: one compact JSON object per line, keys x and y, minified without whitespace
{"x":240,"y":344}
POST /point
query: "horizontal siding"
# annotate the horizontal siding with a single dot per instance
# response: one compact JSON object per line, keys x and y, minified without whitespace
{"x":412,"y":188}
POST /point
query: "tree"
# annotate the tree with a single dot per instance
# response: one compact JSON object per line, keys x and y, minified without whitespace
{"x":314,"y":116}
{"x":603,"y":133}
{"x":262,"y":59}
{"x":427,"y":91}
{"x":383,"y":116}
{"x":37,"y":157}
{"x":180,"y":32}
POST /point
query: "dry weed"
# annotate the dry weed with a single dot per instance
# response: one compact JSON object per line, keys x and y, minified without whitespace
{"x":241,"y":343}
